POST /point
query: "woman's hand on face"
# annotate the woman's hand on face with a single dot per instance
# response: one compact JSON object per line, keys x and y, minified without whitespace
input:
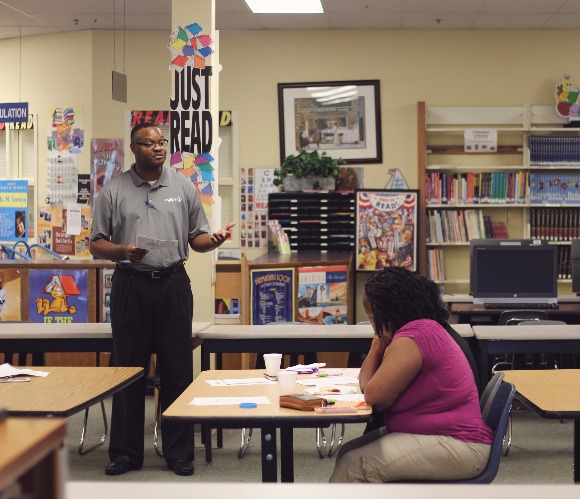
{"x":381,"y":342}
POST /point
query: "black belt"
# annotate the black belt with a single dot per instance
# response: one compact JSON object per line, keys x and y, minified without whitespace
{"x":152,"y":274}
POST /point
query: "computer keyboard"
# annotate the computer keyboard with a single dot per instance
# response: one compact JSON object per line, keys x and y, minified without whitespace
{"x":512,"y":306}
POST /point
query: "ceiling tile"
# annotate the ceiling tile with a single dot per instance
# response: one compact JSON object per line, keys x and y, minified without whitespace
{"x":522,"y":7}
{"x":510,"y":21}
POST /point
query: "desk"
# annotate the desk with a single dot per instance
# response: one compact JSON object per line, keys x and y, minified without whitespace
{"x":29,"y":454}
{"x":553,"y":394}
{"x":567,"y":312}
{"x":289,"y":338}
{"x":266,"y":417}
{"x":66,"y":390}
{"x":524,"y":339}
{"x":75,"y":337}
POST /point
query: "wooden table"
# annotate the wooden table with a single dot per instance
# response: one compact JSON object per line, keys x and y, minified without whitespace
{"x":288,"y":338}
{"x":266,"y":417}
{"x":524,"y":339}
{"x":66,"y":391}
{"x":74,"y":337}
{"x":553,"y":394}
{"x":29,"y":455}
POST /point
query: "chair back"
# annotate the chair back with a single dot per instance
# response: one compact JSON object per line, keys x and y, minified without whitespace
{"x":489,"y":393}
{"x":497,"y":420}
{"x":514,"y":317}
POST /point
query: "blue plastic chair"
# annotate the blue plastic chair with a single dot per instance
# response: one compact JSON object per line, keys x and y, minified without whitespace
{"x":497,"y":419}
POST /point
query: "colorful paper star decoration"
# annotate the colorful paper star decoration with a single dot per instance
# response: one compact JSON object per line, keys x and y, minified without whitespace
{"x":189,"y":48}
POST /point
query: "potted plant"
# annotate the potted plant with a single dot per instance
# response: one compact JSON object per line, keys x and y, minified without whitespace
{"x":308,"y":171}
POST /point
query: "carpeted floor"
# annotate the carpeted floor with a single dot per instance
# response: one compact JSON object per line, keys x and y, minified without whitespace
{"x":541,"y":452}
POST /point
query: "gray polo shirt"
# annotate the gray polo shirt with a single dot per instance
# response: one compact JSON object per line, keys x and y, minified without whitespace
{"x":171,"y":209}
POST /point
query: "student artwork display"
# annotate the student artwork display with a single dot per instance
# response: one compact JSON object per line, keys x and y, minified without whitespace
{"x":58,"y":296}
{"x":323,"y":295}
{"x":256,"y":184}
{"x":191,"y":121}
{"x":62,"y":232}
{"x":107,"y":160}
{"x":386,"y":229}
{"x":13,"y":210}
{"x":10,"y":295}
{"x":272,"y":296}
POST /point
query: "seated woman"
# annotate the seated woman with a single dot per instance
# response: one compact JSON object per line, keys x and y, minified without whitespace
{"x":417,"y":374}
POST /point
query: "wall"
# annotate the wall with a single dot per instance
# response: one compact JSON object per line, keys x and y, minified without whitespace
{"x":443,"y":68}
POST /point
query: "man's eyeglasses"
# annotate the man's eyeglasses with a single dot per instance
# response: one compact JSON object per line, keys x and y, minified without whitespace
{"x":151,"y":145}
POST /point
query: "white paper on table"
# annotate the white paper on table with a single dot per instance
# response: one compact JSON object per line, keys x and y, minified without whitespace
{"x":151,"y":243}
{"x":6,"y":371}
{"x":201,"y":401}
{"x":331,"y":380}
{"x":239,"y":381}
{"x":73,"y":222}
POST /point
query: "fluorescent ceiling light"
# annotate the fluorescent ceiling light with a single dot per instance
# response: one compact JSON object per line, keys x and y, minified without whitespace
{"x":285,"y":6}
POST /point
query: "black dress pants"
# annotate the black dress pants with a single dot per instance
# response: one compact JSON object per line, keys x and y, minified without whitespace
{"x":151,"y":316}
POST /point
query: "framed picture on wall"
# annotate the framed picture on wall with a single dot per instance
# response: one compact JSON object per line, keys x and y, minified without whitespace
{"x":386,"y":229}
{"x":341,"y":118}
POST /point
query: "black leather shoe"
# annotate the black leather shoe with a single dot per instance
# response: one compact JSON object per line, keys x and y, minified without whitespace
{"x":183,"y":467}
{"x":120,"y":466}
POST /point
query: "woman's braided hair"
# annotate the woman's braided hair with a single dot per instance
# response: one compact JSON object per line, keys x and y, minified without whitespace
{"x":398,"y":296}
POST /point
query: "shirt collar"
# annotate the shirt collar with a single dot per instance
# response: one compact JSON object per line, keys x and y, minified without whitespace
{"x":162,"y":181}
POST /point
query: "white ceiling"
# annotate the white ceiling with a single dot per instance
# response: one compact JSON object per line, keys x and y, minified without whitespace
{"x":35,"y":17}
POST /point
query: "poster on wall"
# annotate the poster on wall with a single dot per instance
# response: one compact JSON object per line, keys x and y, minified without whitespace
{"x":323,"y":295}
{"x":190,"y":118}
{"x":255,"y":185}
{"x":386,"y":229}
{"x":106,"y":286}
{"x":107,"y":160}
{"x":13,"y":210}
{"x":65,"y":229}
{"x":65,"y":140}
{"x":10,"y":295}
{"x":272,"y":296}
{"x":58,"y":296}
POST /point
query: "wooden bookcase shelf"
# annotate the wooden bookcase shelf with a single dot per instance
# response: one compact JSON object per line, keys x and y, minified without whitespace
{"x":519,"y":128}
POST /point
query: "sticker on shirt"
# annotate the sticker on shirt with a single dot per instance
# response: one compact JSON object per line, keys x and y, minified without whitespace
{"x":151,"y":243}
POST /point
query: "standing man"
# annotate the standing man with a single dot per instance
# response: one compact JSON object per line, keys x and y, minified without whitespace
{"x":151,"y":298}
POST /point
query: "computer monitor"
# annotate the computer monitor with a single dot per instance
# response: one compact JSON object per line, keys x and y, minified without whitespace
{"x":514,"y":271}
{"x":478,"y":243}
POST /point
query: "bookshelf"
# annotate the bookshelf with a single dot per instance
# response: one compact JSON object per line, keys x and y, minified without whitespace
{"x":516,"y":191}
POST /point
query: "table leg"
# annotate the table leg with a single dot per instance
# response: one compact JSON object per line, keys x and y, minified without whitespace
{"x":576,"y":463}
{"x":269,"y":454}
{"x":287,"y":454}
{"x":206,"y":438}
